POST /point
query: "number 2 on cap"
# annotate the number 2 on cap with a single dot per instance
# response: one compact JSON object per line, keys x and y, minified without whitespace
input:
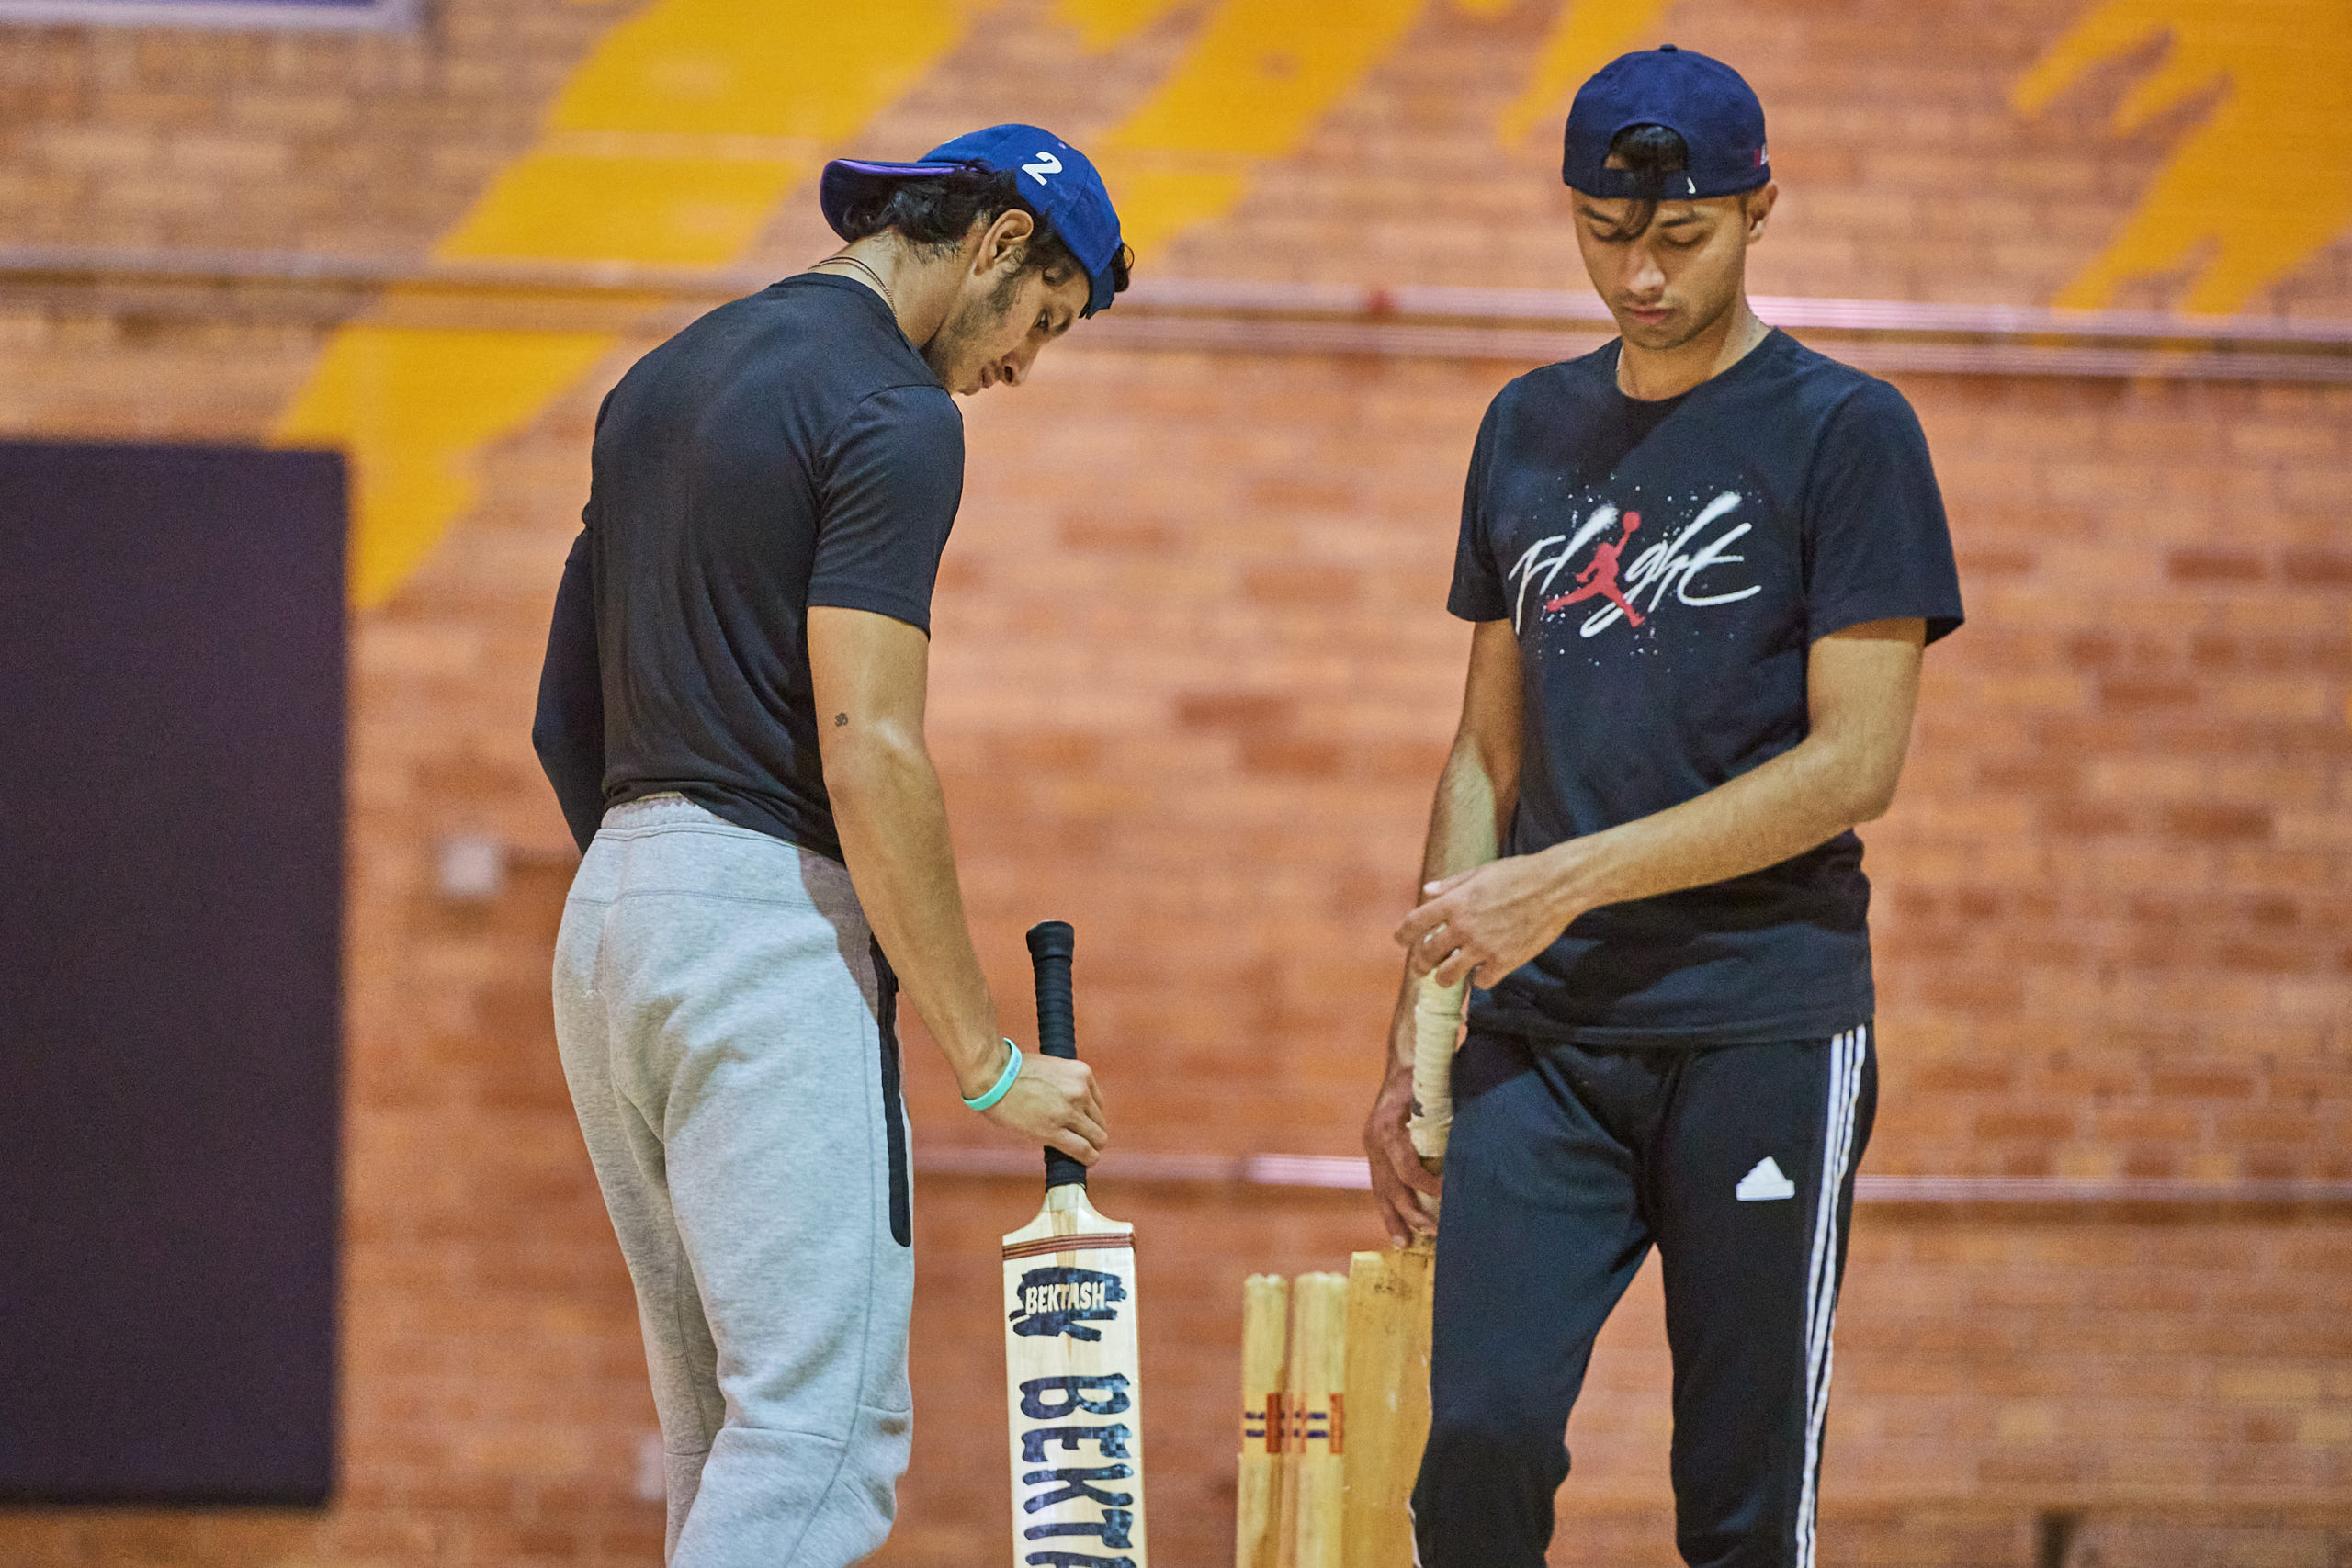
{"x":1047,"y":163}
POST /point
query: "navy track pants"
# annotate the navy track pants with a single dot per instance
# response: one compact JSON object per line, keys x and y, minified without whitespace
{"x":1566,"y":1165}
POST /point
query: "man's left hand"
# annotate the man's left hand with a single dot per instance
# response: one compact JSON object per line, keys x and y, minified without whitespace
{"x":1489,"y":920}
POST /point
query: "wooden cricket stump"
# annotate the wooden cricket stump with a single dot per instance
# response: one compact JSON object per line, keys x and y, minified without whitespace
{"x":1319,"y":1401}
{"x":1334,"y":1413}
{"x":1265,"y":1340}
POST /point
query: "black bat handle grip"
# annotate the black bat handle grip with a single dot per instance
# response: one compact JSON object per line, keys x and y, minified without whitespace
{"x":1050,"y":945}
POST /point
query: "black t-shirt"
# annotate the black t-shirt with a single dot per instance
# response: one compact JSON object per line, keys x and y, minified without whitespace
{"x":788,"y":449}
{"x":1667,"y":567}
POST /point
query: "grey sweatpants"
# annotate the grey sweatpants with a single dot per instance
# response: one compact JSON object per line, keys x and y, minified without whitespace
{"x":726,"y":1024}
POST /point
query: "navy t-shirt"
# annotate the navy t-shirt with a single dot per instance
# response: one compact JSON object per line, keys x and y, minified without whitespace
{"x":1667,"y":567}
{"x":787,"y":450}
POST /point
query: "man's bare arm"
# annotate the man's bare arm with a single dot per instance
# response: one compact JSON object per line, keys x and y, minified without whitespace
{"x":1862,"y":685}
{"x":871,"y":673}
{"x":1475,"y":795}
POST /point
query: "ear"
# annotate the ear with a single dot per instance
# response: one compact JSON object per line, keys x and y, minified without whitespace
{"x":1758,"y":206}
{"x":1005,"y":239}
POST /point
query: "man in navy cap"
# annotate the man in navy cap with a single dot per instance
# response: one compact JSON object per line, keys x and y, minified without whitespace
{"x":731,"y":714}
{"x":1701,"y":564}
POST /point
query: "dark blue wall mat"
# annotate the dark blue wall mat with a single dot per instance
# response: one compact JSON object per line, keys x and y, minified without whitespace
{"x":172,"y":722}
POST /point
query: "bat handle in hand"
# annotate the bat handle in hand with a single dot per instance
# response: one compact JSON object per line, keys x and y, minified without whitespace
{"x":1050,"y":945}
{"x":1437,"y":1028}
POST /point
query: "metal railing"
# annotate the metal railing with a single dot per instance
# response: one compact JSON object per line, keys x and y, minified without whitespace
{"x":1236,"y":316}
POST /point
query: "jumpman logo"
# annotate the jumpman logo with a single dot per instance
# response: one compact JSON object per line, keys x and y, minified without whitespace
{"x":1599,"y":579}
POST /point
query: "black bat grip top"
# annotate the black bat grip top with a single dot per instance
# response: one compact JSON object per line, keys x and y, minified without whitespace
{"x":1050,"y":945}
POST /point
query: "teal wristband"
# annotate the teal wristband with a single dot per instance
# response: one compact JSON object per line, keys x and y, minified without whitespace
{"x":1004,"y":1085}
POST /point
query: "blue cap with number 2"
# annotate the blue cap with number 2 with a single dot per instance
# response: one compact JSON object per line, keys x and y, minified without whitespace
{"x":1053,"y":178}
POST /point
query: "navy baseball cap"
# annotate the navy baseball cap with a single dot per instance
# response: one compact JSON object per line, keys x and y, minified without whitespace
{"x":1704,"y":101}
{"x":1054,"y":176}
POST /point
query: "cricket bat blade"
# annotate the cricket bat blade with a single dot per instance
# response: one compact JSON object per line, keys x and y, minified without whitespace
{"x":1073,"y":1388}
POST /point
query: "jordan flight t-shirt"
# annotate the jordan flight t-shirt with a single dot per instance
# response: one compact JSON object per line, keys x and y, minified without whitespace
{"x":1667,"y":567}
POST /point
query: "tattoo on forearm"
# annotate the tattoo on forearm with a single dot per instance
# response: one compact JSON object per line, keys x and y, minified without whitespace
{"x":840,"y":720}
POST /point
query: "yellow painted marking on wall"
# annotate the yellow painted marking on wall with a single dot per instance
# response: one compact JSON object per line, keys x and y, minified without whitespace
{"x":1104,"y":24}
{"x":2264,"y":181}
{"x":1263,"y":71}
{"x":1258,"y":78}
{"x":1587,"y":35}
{"x":414,"y":407}
{"x":757,"y":67}
{"x":670,"y":211}
{"x":763,"y":85}
{"x":671,"y":145}
{"x":1156,"y":203}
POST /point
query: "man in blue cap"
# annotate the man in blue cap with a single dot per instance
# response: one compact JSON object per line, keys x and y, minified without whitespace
{"x":731,"y":714}
{"x":1701,"y":564}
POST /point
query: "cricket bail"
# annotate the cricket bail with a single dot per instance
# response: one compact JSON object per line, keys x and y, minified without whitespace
{"x":1051,"y":942}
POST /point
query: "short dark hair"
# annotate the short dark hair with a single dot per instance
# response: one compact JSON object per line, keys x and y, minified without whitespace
{"x":1652,"y":152}
{"x":934,"y":214}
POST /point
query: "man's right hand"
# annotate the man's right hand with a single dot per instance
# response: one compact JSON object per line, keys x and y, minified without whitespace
{"x":1056,"y":1103}
{"x":1399,"y":1177}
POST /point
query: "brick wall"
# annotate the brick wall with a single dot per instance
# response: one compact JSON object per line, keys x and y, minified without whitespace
{"x":1192,"y":682}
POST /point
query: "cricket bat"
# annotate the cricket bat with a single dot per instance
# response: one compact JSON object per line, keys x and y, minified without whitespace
{"x":1388,"y":1300}
{"x":1072,"y":1390}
